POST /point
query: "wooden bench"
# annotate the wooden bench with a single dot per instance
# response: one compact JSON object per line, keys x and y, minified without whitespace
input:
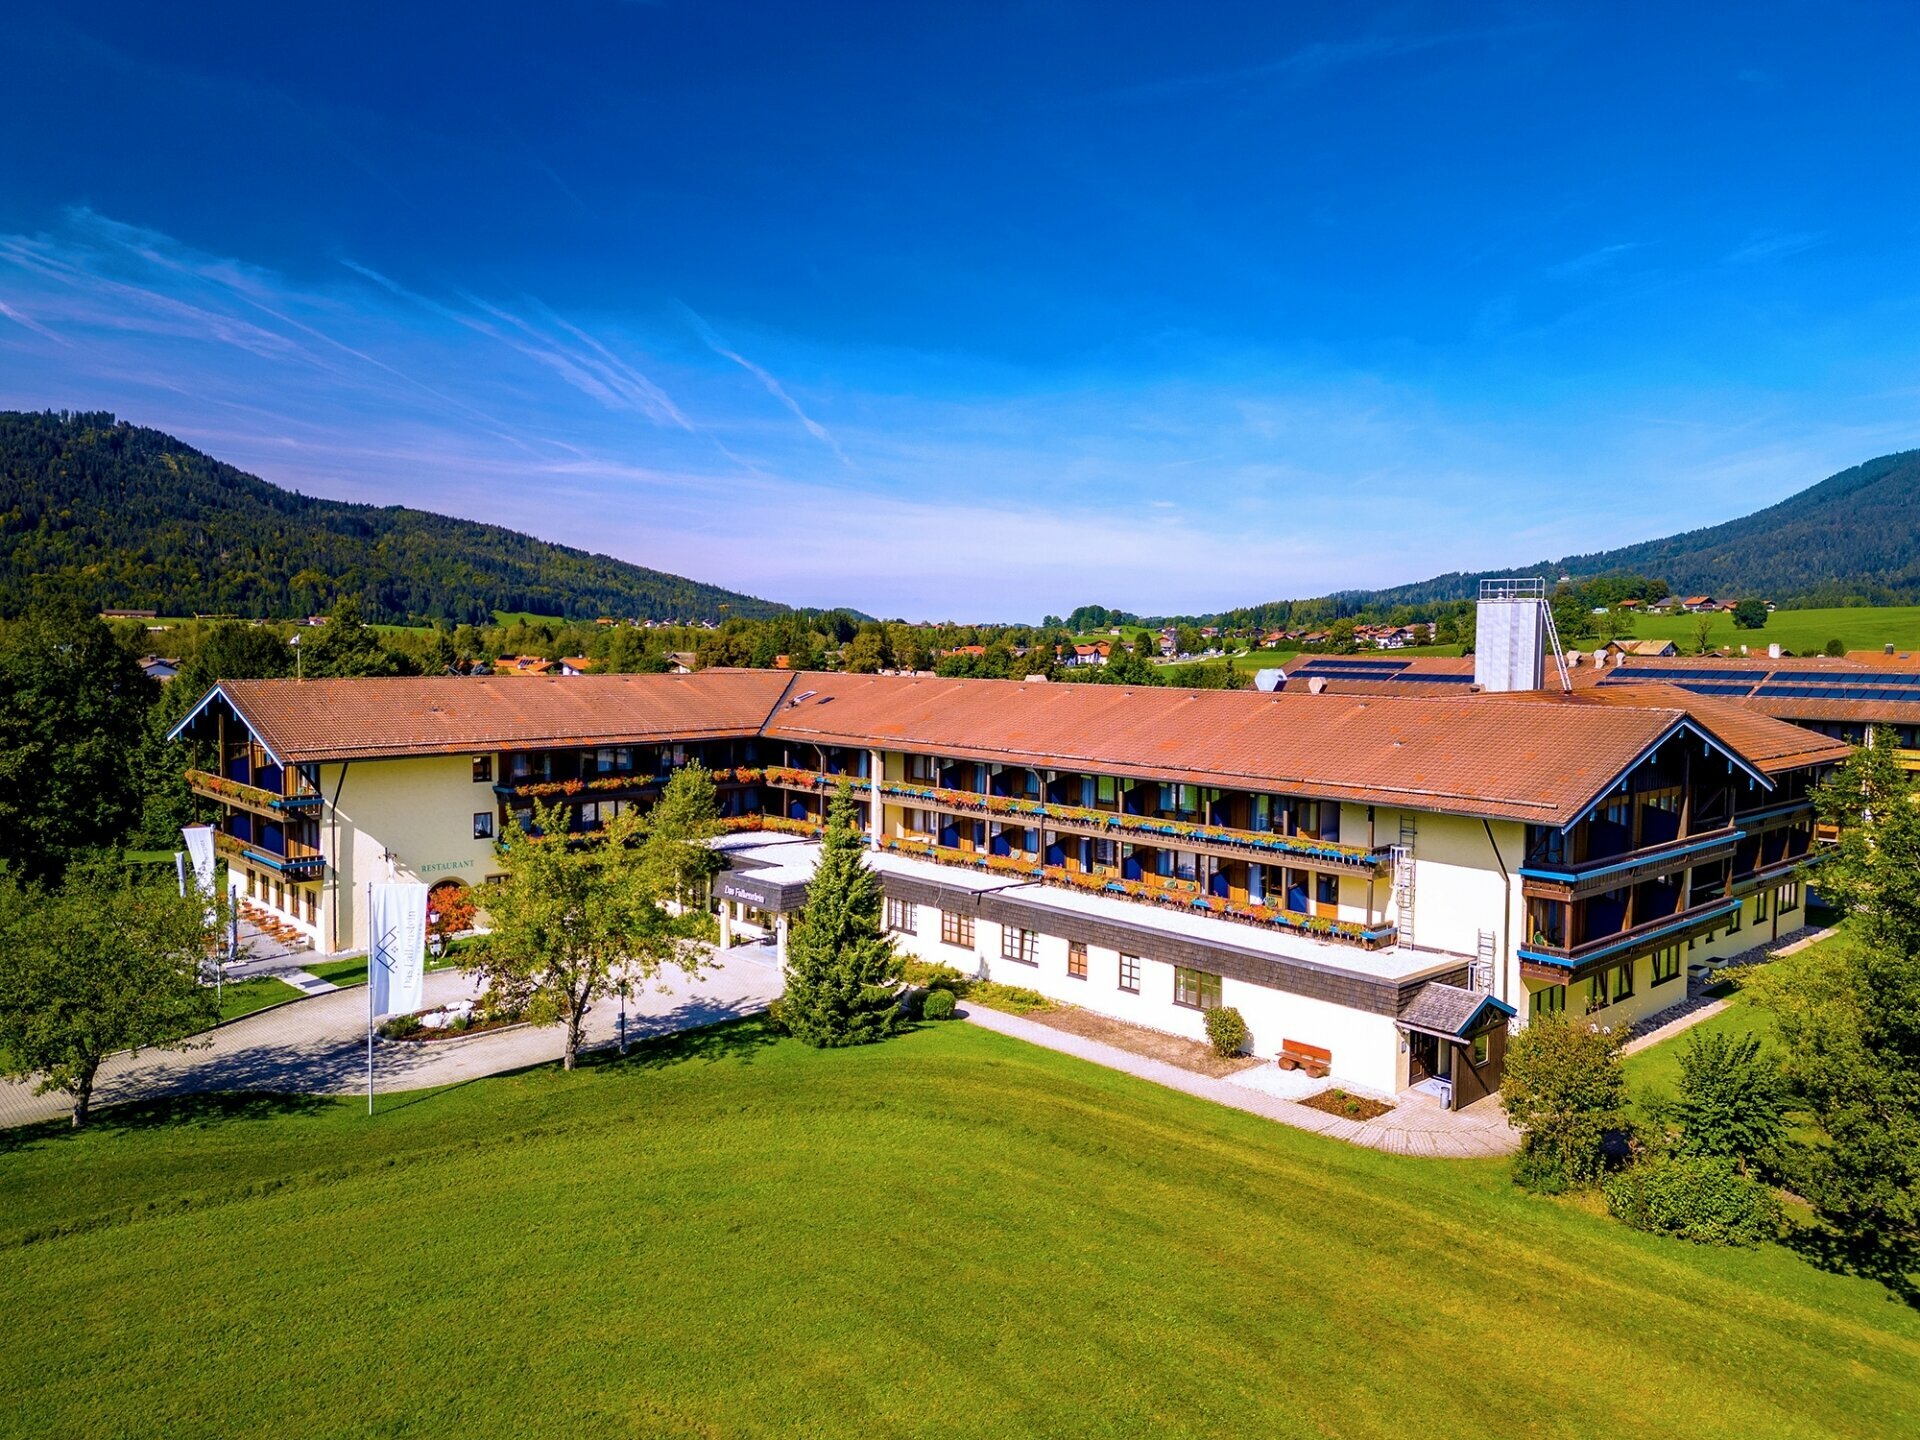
{"x":1316,"y":1060}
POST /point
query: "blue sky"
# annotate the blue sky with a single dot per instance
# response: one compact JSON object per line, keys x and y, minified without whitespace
{"x":984,"y":311}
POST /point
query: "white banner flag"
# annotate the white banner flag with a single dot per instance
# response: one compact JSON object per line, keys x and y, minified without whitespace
{"x":397,"y":954}
{"x":199,"y":840}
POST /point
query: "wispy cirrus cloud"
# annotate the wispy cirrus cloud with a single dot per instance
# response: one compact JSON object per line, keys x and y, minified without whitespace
{"x":773,"y":387}
{"x":1773,"y":246}
{"x":1202,"y":479}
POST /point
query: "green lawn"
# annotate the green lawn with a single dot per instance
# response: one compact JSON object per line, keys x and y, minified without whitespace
{"x":351,"y":972}
{"x":951,"y":1233}
{"x":243,"y":997}
{"x":1804,"y":632}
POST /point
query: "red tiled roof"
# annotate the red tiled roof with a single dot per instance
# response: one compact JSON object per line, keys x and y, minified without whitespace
{"x":1537,"y":756}
{"x":304,"y":720}
{"x":1527,"y":757}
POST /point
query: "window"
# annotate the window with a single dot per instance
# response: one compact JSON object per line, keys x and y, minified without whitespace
{"x":1195,"y":989}
{"x":1130,"y":973}
{"x":1107,"y":790}
{"x":1597,"y":992}
{"x":900,"y":916}
{"x":1789,"y":897}
{"x":1735,"y":919}
{"x":483,"y":824}
{"x":311,"y":908}
{"x":1623,"y":982}
{"x":956,"y":929}
{"x":483,"y":769}
{"x":1759,"y":906}
{"x":1076,"y":960}
{"x":253,"y":885}
{"x":1666,"y":964}
{"x":1018,"y":944}
{"x":1548,"y":1000}
{"x":1482,"y":1048}
{"x":1326,"y":889}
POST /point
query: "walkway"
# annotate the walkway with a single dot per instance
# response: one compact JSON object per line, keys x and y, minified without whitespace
{"x":1416,"y":1125}
{"x":318,"y":1046}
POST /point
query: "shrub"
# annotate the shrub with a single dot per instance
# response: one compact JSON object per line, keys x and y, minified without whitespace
{"x":937,"y":1006}
{"x":1835,"y":649}
{"x":400,"y":1027}
{"x":1564,"y":1091}
{"x":1226,"y":1030}
{"x":1730,"y":1102}
{"x":1015,"y":999}
{"x":931,"y":975}
{"x":1704,"y":1199}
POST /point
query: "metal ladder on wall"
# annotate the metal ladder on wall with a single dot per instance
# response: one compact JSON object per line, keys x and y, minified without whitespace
{"x":1483,"y":964}
{"x":1403,"y":881}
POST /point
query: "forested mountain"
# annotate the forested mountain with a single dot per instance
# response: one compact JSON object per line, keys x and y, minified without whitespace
{"x":1855,"y":535}
{"x":115,"y":516}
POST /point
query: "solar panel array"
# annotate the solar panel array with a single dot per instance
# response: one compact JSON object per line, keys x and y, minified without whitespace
{"x":1853,"y":685}
{"x":1721,"y":681}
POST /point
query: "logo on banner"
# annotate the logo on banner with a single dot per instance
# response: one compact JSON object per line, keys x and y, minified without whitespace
{"x":397,"y":948}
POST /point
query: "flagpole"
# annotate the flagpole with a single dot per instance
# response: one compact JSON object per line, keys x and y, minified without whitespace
{"x":371,"y":941}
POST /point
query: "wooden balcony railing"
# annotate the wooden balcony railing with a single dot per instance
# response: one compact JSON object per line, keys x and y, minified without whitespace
{"x":1596,"y":947}
{"x":299,"y":862}
{"x":1080,"y":819}
{"x":248,"y":797}
{"x":1182,"y":895}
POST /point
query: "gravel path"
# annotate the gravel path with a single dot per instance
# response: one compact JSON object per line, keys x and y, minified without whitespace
{"x":318,"y":1046}
{"x":1415,"y":1126}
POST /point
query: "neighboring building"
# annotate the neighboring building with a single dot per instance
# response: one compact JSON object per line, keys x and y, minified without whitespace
{"x":1095,"y":654}
{"x":128,"y":614}
{"x":1699,"y":604}
{"x":576,"y":665}
{"x":157,"y":667}
{"x":1349,"y":872}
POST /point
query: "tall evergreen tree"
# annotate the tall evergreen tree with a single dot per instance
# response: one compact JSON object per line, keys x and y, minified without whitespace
{"x":843,"y":973}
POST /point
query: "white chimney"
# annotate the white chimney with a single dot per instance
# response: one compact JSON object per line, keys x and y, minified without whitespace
{"x":1316,"y":684}
{"x":1509,"y":643}
{"x":1773,"y":651}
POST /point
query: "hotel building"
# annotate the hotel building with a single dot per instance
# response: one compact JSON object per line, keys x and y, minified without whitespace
{"x":1395,"y":880}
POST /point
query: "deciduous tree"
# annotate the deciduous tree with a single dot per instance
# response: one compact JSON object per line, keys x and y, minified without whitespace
{"x":575,"y":921}
{"x":1564,"y":1091}
{"x":98,"y":964}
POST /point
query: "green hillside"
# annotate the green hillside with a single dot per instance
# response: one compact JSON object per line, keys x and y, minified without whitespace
{"x":114,"y":515}
{"x":954,"y":1233}
{"x":1855,"y":535}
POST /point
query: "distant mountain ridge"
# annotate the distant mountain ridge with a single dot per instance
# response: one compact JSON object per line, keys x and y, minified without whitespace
{"x":1853,"y":535}
{"x":114,"y":515}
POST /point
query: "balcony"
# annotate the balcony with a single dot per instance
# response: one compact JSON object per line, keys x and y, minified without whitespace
{"x":302,"y":862}
{"x":1544,"y":959}
{"x":532,"y":788}
{"x":1614,"y":872}
{"x":1172,"y":894}
{"x":248,"y":797}
{"x":1110,"y":824}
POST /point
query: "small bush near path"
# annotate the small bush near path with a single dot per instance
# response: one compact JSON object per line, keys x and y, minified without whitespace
{"x":932,"y":975}
{"x":1701,"y":1198}
{"x":1564,"y":1091}
{"x":1014,"y":999}
{"x":937,"y":1006}
{"x":1226,"y":1030}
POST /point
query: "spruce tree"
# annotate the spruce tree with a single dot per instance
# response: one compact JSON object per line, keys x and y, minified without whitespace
{"x":842,"y":972}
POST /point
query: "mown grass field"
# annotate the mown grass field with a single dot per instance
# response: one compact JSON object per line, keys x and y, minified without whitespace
{"x":1804,"y":632}
{"x":951,"y":1233}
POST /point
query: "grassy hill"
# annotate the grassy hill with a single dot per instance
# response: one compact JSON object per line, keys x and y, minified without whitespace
{"x":113,"y":515}
{"x":951,"y":1233}
{"x":1855,"y":534}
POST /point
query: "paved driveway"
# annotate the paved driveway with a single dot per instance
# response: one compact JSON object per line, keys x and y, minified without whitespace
{"x":318,"y":1046}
